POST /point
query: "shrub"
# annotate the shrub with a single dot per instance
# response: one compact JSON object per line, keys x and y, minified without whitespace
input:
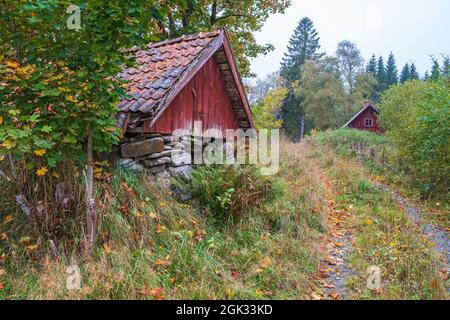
{"x":416,"y":117}
{"x":228,"y":191}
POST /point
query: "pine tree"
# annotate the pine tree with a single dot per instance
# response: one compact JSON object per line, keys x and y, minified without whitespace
{"x":372,"y":65}
{"x":406,"y":74}
{"x":426,"y":76}
{"x":413,"y":74}
{"x":435,"y":70}
{"x":381,"y":75}
{"x":391,"y":71}
{"x":303,"y":46}
{"x":446,"y":67}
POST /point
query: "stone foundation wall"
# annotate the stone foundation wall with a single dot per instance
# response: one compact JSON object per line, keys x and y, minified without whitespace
{"x":160,"y":154}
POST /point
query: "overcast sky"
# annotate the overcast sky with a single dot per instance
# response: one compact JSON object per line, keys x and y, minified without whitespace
{"x":411,"y":29}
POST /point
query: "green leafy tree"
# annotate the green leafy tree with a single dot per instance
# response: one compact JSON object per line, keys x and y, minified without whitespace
{"x":391,"y":71}
{"x":303,"y":46}
{"x":416,"y":116}
{"x":405,"y":74}
{"x":265,"y":113}
{"x":351,"y":66}
{"x":413,"y":74}
{"x":240,"y":18}
{"x":59,"y":88}
{"x":323,"y":92}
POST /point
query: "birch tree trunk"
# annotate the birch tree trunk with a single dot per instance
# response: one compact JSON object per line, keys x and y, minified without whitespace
{"x":91,"y":217}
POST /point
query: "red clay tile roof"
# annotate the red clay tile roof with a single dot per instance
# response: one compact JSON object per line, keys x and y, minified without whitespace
{"x":159,"y":67}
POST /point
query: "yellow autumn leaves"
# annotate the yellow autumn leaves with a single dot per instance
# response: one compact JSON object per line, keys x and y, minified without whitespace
{"x":42,"y":171}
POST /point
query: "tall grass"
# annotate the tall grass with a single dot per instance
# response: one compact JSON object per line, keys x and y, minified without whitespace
{"x":384,"y":237}
{"x":150,"y":246}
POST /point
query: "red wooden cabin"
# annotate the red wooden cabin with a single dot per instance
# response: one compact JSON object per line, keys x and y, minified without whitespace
{"x":366,"y":119}
{"x":179,"y":81}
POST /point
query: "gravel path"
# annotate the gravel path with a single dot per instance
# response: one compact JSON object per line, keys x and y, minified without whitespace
{"x":336,"y":267}
{"x":439,"y":237}
{"x":338,"y":245}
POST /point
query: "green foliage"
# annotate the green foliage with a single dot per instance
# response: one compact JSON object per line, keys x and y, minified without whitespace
{"x":59,"y":84}
{"x":413,"y":74}
{"x":391,"y":71}
{"x":416,"y":116}
{"x":435,"y":70}
{"x":372,"y":65}
{"x":265,"y":112}
{"x":303,"y":46}
{"x":240,"y":18}
{"x":230,"y":192}
{"x":446,"y":67}
{"x":345,"y":140}
{"x":405,"y":74}
{"x":323,"y":93}
{"x":381,"y":76}
{"x":327,"y":98}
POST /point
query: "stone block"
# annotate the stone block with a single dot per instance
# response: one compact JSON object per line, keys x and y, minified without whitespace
{"x":142,"y":148}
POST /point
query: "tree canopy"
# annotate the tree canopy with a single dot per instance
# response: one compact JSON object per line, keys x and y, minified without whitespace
{"x":240,"y":18}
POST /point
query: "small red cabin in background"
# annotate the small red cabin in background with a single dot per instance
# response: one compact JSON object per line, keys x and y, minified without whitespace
{"x":365,"y":120}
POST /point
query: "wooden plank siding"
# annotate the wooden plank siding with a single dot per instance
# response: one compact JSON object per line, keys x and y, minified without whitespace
{"x":205,"y":99}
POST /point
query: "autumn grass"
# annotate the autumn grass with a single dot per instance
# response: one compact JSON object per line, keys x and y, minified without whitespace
{"x":375,"y":152}
{"x":150,"y":246}
{"x":384,"y":236}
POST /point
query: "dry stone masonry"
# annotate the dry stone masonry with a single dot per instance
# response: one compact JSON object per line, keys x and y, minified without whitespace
{"x":160,"y":154}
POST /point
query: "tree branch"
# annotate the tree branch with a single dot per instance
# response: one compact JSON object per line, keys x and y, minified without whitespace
{"x":230,"y":16}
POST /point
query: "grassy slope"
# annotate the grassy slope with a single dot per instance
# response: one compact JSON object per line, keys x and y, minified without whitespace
{"x":375,"y":156}
{"x":152,"y":247}
{"x":383,"y":236}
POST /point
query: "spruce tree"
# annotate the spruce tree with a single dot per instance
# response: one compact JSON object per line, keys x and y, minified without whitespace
{"x":435,"y":70}
{"x":303,"y":46}
{"x":413,"y":74}
{"x":372,"y":66}
{"x":446,"y":67}
{"x":391,"y":71}
{"x":381,"y":75}
{"x":406,"y":74}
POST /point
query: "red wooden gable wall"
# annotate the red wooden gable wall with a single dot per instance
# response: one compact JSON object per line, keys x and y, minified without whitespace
{"x":360,"y":121}
{"x":203,"y":99}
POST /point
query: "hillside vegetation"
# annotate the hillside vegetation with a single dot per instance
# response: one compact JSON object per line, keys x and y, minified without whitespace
{"x":247,"y":236}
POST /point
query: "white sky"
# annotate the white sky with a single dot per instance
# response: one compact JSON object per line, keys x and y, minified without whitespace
{"x":411,"y":29}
